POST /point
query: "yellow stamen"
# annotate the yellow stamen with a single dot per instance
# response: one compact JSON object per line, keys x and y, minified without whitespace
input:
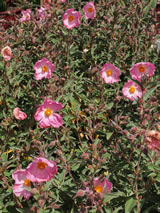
{"x":90,"y":9}
{"x":141,"y":69}
{"x":109,"y":73}
{"x":27,"y":17}
{"x":45,"y":69}
{"x":98,"y":189}
{"x":47,"y":112}
{"x":27,"y":182}
{"x":41,"y":165}
{"x":70,"y":18}
{"x":132,"y":89}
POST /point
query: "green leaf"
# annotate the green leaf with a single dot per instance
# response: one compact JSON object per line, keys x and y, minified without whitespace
{"x":117,"y":210}
{"x":152,"y":4}
{"x":109,"y":134}
{"x":4,"y":157}
{"x":108,"y":197}
{"x":150,"y":92}
{"x":130,"y":204}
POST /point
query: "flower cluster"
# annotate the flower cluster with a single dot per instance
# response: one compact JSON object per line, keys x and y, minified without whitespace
{"x":94,"y":192}
{"x":40,"y":170}
{"x":72,"y":18}
{"x":130,"y":90}
{"x":26,"y":16}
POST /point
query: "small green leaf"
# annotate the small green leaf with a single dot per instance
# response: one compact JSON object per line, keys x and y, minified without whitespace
{"x":108,"y":197}
{"x":109,"y":134}
{"x":152,"y":4}
{"x":130,"y":204}
{"x":4,"y":157}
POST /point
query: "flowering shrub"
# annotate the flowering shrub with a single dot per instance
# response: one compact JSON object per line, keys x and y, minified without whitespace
{"x":96,"y":64}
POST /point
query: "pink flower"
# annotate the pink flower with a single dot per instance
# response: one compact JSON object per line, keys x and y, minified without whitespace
{"x":22,"y":183}
{"x":102,"y":186}
{"x":132,"y":90}
{"x":63,"y":1}
{"x":18,"y":114}
{"x":26,"y":15}
{"x":46,"y":3}
{"x":110,"y":73}
{"x":41,"y":13}
{"x":142,"y":69}
{"x":153,"y":140}
{"x":6,"y":53}
{"x":71,"y":18}
{"x":41,"y":170}
{"x":46,"y":116}
{"x":43,"y":69}
{"x":89,"y":10}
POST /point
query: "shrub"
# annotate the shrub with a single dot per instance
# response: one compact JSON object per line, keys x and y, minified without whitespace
{"x":103,"y":136}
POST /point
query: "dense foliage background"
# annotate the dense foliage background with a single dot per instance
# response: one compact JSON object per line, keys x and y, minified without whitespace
{"x":103,"y":132}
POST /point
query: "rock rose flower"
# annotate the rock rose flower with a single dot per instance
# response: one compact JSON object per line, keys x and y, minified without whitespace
{"x":89,"y":10}
{"x":22,"y":183}
{"x":132,"y":90}
{"x":110,"y":73}
{"x":6,"y":53}
{"x":71,"y":18}
{"x":41,"y":13}
{"x":46,"y":115}
{"x":43,"y":69}
{"x":41,"y":170}
{"x":18,"y":114}
{"x":102,"y":186}
{"x":153,"y":140}
{"x":142,"y":69}
{"x":26,"y":15}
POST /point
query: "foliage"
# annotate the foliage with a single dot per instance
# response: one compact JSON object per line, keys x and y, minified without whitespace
{"x":103,"y":132}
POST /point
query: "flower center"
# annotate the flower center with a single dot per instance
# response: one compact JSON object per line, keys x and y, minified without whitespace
{"x":141,"y":69}
{"x":109,"y":73}
{"x":98,"y":189}
{"x":27,"y":182}
{"x":44,"y":69}
{"x":90,"y":9}
{"x":70,"y":18}
{"x":27,"y":16}
{"x":132,"y":89}
{"x":47,"y":112}
{"x":41,"y":165}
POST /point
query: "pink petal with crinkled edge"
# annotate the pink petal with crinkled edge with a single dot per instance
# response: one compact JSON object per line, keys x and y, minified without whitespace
{"x":19,"y":190}
{"x":56,"y":120}
{"x":40,"y":175}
